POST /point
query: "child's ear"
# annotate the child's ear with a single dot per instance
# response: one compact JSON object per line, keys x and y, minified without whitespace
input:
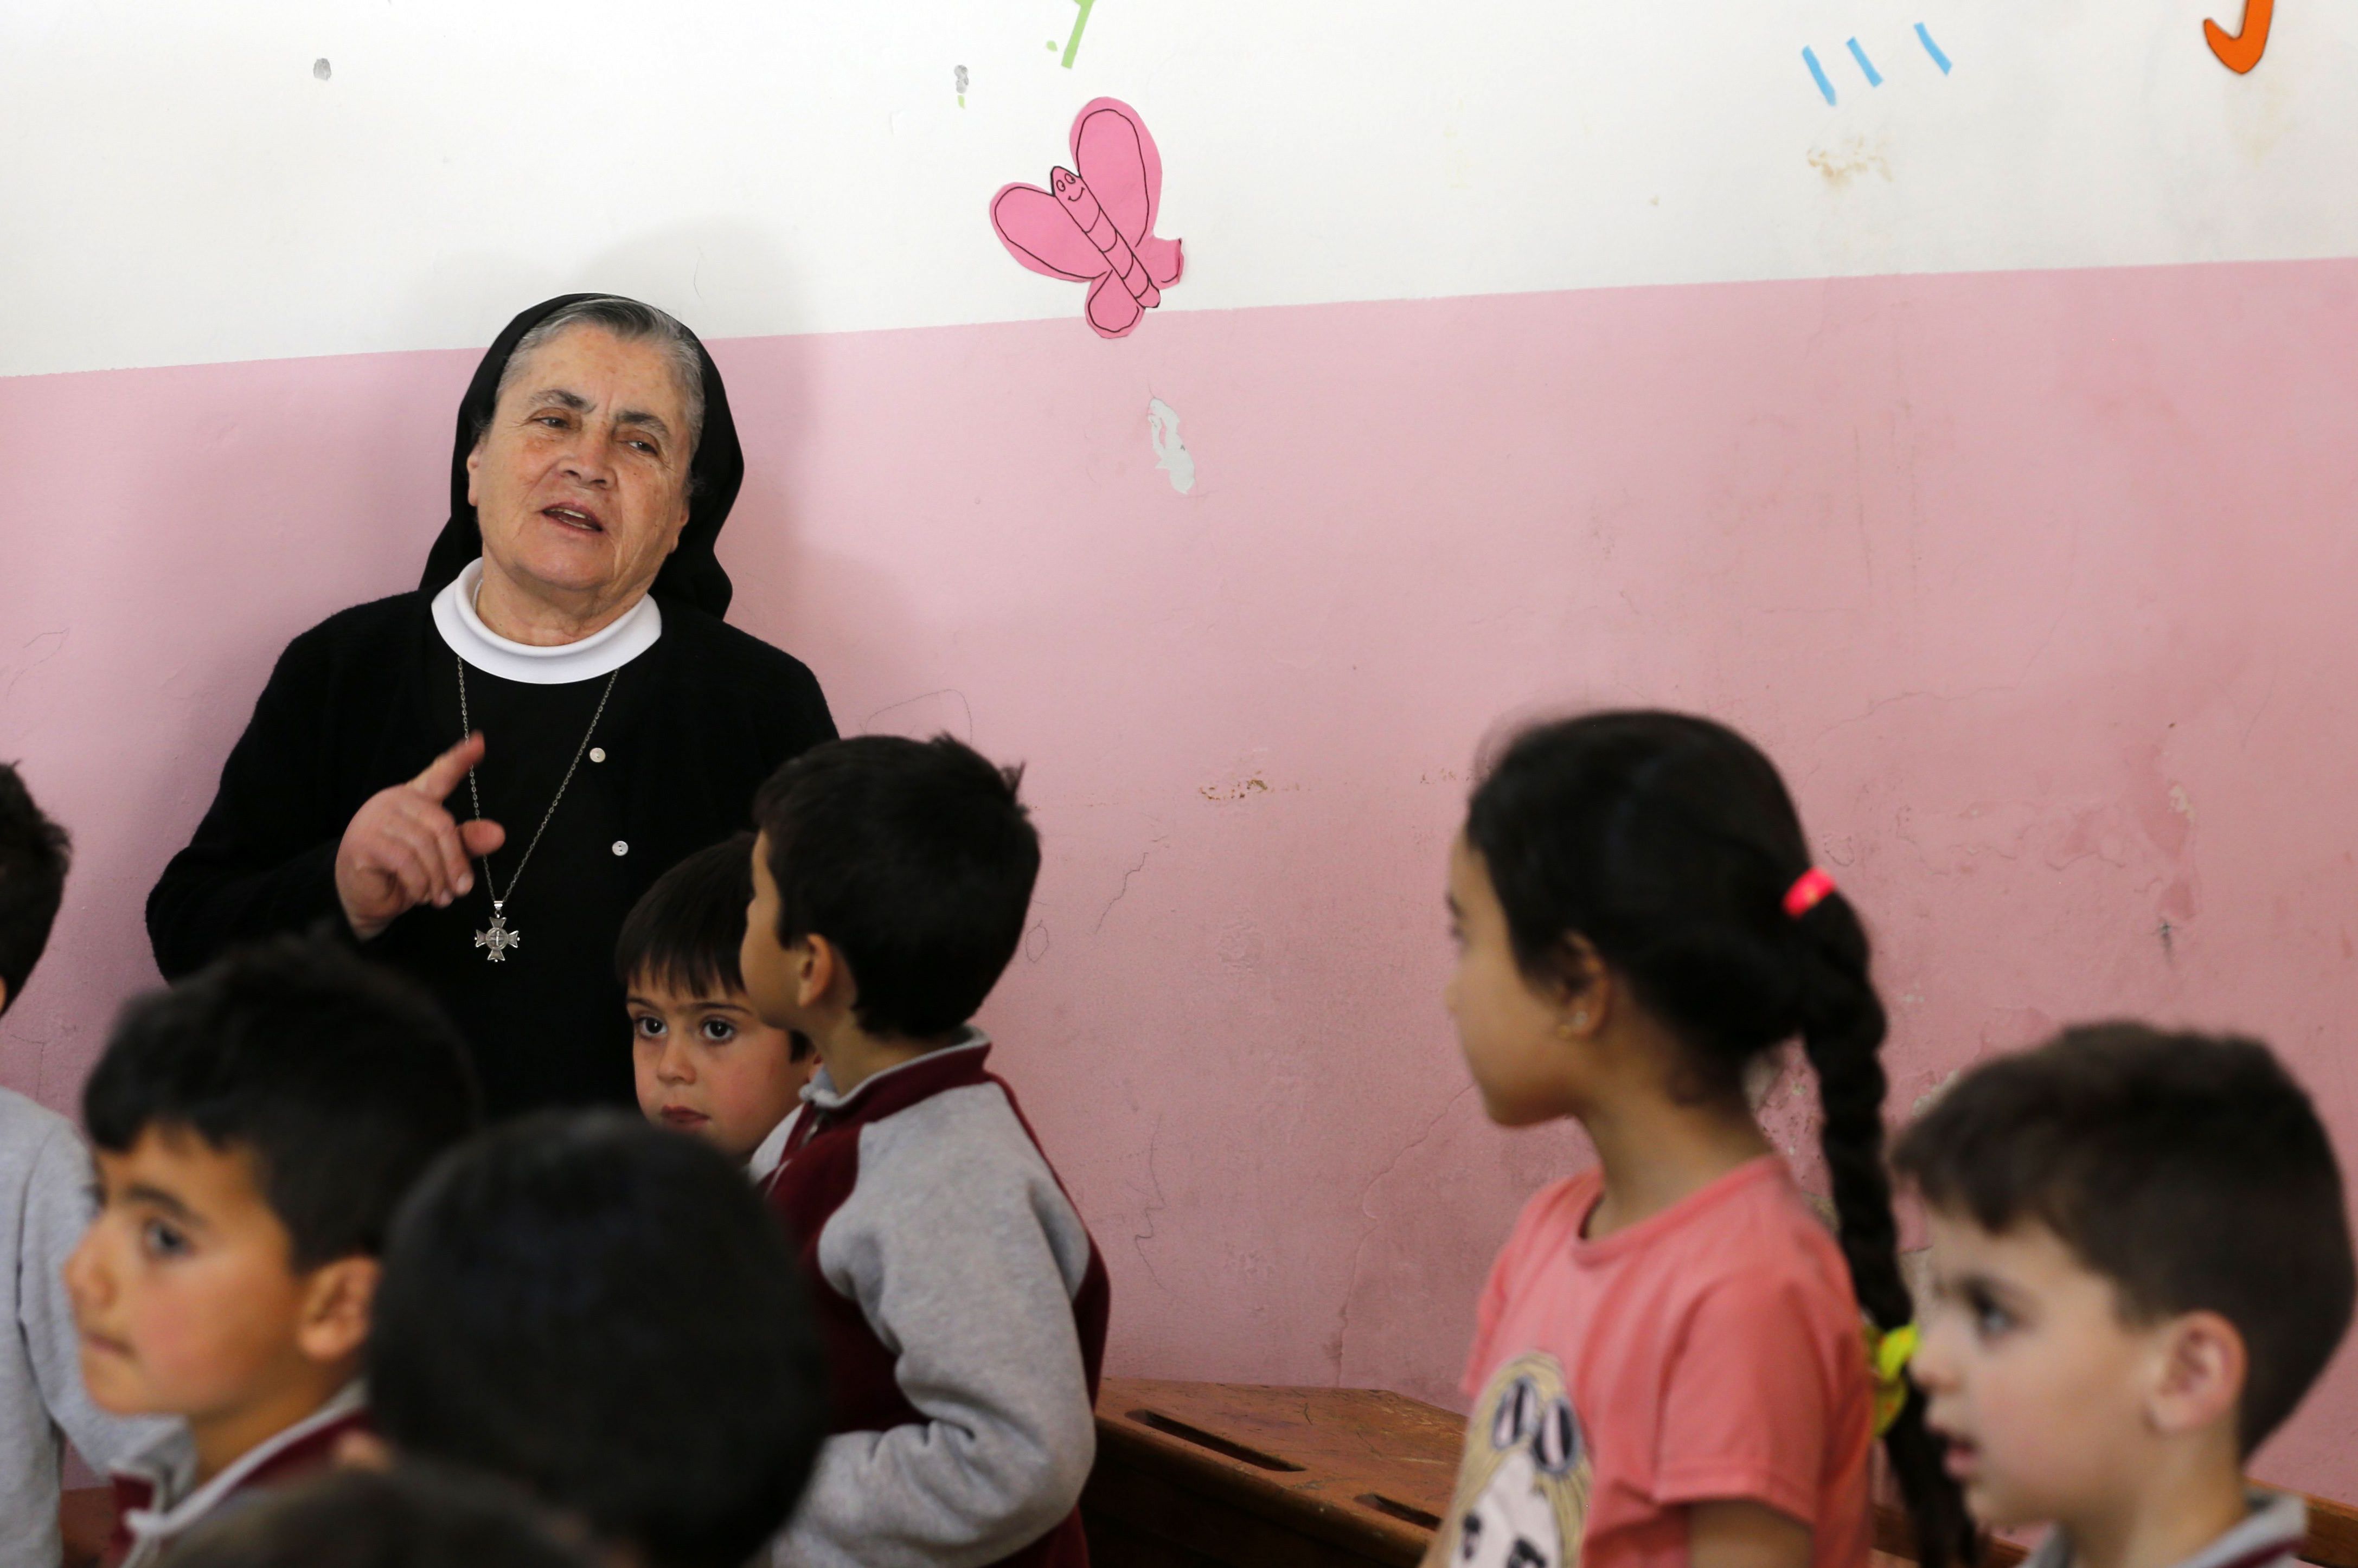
{"x":2200,"y":1374}
{"x":821,"y":973}
{"x":1583,"y":989}
{"x":338,"y":1300}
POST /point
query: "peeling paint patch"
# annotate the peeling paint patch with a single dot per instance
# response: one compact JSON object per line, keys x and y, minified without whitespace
{"x":1171,"y":454}
{"x":1237,"y":791}
{"x":2179,"y":804}
{"x":1841,"y":165}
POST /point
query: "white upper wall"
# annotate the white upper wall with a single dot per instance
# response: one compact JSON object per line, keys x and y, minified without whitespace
{"x":179,"y":188}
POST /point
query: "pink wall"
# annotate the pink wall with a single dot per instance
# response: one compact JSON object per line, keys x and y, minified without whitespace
{"x":2039,"y":585}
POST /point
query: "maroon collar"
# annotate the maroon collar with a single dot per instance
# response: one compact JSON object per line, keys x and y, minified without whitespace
{"x":312,"y":1452}
{"x":898,"y":1088}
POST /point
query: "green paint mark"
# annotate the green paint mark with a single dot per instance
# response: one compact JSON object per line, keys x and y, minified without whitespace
{"x":1072,"y":44}
{"x":1052,"y":46}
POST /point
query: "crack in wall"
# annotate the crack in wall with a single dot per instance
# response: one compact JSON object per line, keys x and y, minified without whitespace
{"x":1120,"y":892}
{"x":1360,"y":1248}
{"x":1149,"y":1208}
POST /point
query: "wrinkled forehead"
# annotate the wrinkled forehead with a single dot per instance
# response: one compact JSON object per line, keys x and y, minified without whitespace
{"x":589,"y":368}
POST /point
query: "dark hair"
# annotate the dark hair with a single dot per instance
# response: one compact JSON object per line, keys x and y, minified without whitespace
{"x":1669,"y":843}
{"x":410,"y":1516}
{"x":2189,"y":1170}
{"x":915,"y":859}
{"x":685,"y":932}
{"x":34,"y":853}
{"x":342,"y":1079}
{"x":606,"y":1315}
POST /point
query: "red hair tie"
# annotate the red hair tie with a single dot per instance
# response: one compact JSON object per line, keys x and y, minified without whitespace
{"x":1809,"y":890}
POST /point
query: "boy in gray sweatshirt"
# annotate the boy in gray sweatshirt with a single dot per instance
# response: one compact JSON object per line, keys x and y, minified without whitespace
{"x":963,"y":1302}
{"x":44,"y":1210}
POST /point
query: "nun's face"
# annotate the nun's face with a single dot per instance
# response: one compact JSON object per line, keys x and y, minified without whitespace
{"x":580,"y":480}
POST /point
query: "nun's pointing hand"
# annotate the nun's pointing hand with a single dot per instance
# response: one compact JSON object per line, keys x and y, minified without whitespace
{"x":404,"y":848}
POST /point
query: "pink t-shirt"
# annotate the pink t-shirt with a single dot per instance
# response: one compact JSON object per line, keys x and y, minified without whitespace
{"x":1711,"y":1352}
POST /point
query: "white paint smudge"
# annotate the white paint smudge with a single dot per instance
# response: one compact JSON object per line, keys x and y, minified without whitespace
{"x":1931,"y":1096}
{"x":1170,"y":453}
{"x":2179,"y":804}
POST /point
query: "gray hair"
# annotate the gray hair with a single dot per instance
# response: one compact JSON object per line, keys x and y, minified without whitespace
{"x":631,"y":322}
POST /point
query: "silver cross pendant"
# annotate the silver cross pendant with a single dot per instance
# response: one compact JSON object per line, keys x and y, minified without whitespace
{"x":498,"y":938}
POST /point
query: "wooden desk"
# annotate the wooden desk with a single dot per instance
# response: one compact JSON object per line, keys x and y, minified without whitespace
{"x":1242,"y":1476}
{"x":1230,"y":1476}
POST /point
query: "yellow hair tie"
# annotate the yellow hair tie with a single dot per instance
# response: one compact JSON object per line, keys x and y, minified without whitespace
{"x":1887,"y":1355}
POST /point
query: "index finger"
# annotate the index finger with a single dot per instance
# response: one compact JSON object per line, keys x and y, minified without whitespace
{"x":443,"y":773}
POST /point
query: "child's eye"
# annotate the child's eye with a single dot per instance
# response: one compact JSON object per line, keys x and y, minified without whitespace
{"x":1990,"y":1320}
{"x":159,"y":1238}
{"x":648,"y":1027}
{"x":719,"y":1030}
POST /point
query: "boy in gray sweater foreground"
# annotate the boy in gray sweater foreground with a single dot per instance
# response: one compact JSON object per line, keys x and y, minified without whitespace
{"x":44,"y":1210}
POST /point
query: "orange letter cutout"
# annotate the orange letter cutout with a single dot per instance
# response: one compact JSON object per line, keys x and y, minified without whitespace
{"x":2241,"y":52}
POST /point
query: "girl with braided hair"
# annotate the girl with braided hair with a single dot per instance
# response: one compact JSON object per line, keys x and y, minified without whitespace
{"x":1675,"y":1363}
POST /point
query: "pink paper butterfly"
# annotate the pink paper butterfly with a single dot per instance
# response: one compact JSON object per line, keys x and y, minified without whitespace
{"x":1096,"y":226}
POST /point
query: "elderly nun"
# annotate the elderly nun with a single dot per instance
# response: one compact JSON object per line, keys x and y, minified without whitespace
{"x":475,"y":780}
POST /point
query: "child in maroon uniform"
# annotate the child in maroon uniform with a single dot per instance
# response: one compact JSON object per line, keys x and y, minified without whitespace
{"x":607,"y":1316}
{"x":964,"y":1302}
{"x":705,"y":1063}
{"x":255,"y":1127}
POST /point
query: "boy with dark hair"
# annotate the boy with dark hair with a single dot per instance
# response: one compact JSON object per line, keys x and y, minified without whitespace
{"x":407,"y":1517}
{"x":44,"y":1209}
{"x":2140,"y":1262}
{"x":964,"y":1302}
{"x":705,"y":1062}
{"x":604,"y":1315}
{"x":256,"y":1126}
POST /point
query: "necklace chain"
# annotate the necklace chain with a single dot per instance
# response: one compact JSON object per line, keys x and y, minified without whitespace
{"x":466,"y":726}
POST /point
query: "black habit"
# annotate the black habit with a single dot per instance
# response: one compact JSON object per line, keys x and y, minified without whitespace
{"x":365,"y":700}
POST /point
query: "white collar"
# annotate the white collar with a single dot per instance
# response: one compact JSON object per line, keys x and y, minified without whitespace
{"x":170,"y":1465}
{"x":821,"y":1090}
{"x":602,"y":651}
{"x":2270,"y":1532}
{"x":773,"y":1150}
